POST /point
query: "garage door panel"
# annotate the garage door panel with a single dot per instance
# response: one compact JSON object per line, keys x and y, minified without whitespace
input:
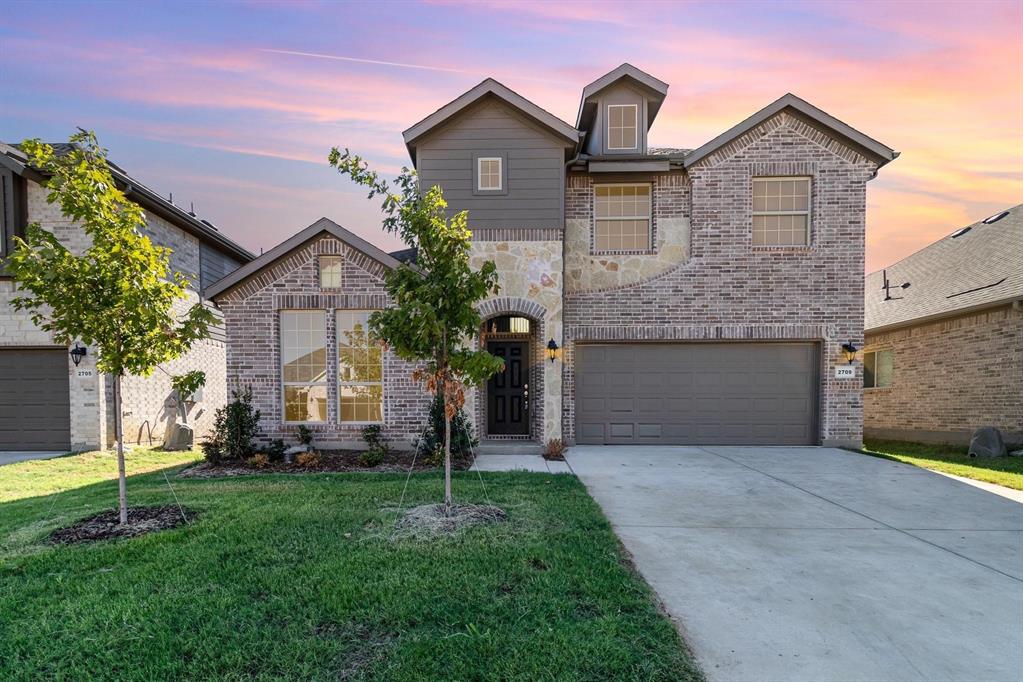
{"x":713,"y":393}
{"x":35,"y":412}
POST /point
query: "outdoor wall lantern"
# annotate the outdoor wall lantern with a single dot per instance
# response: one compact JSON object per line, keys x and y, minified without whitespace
{"x":77,"y":353}
{"x":552,"y":349}
{"x":849,"y":351}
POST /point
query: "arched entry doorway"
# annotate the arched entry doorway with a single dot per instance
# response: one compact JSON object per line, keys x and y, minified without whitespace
{"x":508,"y":395}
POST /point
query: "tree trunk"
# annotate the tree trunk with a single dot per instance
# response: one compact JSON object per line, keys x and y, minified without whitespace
{"x":447,"y":457}
{"x":122,"y":485}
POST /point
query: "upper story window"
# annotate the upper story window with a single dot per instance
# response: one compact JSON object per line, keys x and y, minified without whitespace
{"x":360,"y":362}
{"x":330,"y":272}
{"x":304,"y":365}
{"x":622,"y":126}
{"x":622,"y":218}
{"x":781,"y":211}
{"x":489,"y":174}
{"x":878,"y":369}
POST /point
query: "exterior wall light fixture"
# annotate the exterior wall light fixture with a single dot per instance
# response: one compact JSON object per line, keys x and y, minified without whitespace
{"x":552,"y":350}
{"x":849,"y":351}
{"x":77,"y":353}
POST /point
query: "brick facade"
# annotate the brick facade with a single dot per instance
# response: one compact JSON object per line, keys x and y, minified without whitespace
{"x":950,"y":377}
{"x":724,"y":288}
{"x":147,"y":401}
{"x":252,"y":315}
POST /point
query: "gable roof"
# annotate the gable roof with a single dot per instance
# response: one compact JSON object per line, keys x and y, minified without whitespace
{"x":293,"y":244}
{"x":974,"y":267}
{"x":657,"y":88}
{"x":489,"y":87}
{"x":867,"y":145}
{"x":12,"y":158}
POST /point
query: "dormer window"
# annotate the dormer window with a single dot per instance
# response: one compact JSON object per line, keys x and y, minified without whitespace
{"x":622,"y":126}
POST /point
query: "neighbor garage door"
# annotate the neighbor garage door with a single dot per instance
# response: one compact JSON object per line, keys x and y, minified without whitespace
{"x":693,"y":393}
{"x":34,"y":410}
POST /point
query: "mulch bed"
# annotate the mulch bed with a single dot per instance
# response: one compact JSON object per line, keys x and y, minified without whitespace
{"x":430,"y":520}
{"x":106,"y":525}
{"x":331,"y":461}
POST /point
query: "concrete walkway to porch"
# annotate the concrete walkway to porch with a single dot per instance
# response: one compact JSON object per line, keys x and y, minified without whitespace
{"x":520,"y":463}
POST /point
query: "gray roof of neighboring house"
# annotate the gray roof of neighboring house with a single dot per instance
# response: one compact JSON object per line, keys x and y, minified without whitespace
{"x":974,"y":267}
{"x":13,"y":158}
{"x":489,"y":87}
{"x":295,"y":242}
{"x":406,"y":255}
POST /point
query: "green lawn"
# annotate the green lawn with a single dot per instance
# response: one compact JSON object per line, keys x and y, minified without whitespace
{"x":299,"y":577}
{"x":952,"y":459}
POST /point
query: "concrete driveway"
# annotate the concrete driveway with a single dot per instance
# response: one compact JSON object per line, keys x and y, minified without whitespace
{"x":819,"y":564}
{"x":12,"y":456}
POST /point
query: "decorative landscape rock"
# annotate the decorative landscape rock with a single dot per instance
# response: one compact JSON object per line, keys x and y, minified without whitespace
{"x":178,"y":437}
{"x":987,"y":442}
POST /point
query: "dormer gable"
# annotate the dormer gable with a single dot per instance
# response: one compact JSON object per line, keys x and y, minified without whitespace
{"x":617,"y":110}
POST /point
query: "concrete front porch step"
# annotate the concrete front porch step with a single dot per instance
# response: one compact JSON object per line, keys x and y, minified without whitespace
{"x":508,"y":447}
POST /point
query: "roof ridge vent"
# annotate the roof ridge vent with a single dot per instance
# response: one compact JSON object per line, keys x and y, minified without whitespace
{"x":995,"y":218}
{"x":960,"y":232}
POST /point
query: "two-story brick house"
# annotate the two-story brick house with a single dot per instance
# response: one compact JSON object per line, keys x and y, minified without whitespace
{"x":49,"y":403}
{"x":695,"y":296}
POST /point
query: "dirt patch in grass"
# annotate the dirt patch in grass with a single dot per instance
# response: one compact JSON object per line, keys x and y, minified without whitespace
{"x":430,"y":520}
{"x":106,"y":525}
{"x":330,"y":461}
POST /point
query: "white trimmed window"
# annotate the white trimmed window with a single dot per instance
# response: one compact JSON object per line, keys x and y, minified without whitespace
{"x":622,"y":218}
{"x":878,"y":369}
{"x":330,"y":272}
{"x":488,"y":174}
{"x":622,"y":126}
{"x":304,"y":365}
{"x":360,"y":360}
{"x":781,"y":211}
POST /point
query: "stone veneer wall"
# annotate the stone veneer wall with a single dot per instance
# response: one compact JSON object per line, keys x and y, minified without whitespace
{"x":92,"y":393}
{"x":950,"y":377}
{"x":251,"y":312}
{"x":530,"y":277}
{"x":729,"y":290}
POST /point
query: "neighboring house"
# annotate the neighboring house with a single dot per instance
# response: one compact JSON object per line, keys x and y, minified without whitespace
{"x":697,"y":296}
{"x":46,"y":402}
{"x":945,"y":355}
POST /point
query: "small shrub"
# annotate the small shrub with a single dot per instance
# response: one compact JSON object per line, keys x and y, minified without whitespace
{"x":308,"y":459}
{"x":462,"y":438}
{"x":305,"y":436}
{"x":275,"y":451}
{"x":234,"y":428}
{"x":377,"y":446}
{"x":371,"y":458}
{"x":555,"y":449}
{"x":212,"y":450}
{"x":258,"y":460}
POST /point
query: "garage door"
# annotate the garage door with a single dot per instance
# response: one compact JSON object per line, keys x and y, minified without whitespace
{"x":697,"y":393}
{"x":34,"y":410}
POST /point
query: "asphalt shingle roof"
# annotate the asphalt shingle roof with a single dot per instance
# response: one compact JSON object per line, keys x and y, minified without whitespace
{"x":971,"y":267}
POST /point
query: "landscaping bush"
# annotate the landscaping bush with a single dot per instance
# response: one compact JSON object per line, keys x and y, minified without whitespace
{"x":305,"y":436}
{"x":234,"y":428}
{"x":259,"y":460}
{"x":462,"y":438}
{"x":275,"y":451}
{"x":377,"y":446}
{"x":308,"y":459}
{"x":555,"y":449}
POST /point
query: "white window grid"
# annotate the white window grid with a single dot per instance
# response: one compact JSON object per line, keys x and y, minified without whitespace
{"x":781,"y":210}
{"x":488,"y":174}
{"x":626,"y":208}
{"x":303,"y":335}
{"x":360,"y":383}
{"x":622,"y":126}
{"x":331,"y":268}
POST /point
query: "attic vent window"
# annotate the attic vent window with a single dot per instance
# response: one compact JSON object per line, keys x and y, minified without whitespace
{"x":995,"y":218}
{"x":622,"y":126}
{"x":961,"y":232}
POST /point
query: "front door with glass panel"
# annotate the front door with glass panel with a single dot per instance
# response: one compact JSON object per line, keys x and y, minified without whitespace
{"x":508,"y":390}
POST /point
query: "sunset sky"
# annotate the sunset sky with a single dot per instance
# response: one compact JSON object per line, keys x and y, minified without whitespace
{"x":234,"y":106}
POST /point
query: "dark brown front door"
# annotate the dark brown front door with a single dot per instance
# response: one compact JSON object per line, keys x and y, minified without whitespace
{"x":508,"y":390}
